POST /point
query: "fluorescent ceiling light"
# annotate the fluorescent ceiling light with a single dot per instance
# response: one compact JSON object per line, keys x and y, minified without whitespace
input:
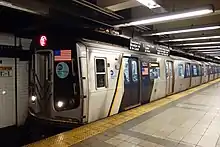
{"x":125,"y":36}
{"x":211,"y":52}
{"x":203,"y":47}
{"x":191,"y":39}
{"x":204,"y":50}
{"x":199,"y":43}
{"x":184,"y":31}
{"x":151,"y":4}
{"x":170,"y":17}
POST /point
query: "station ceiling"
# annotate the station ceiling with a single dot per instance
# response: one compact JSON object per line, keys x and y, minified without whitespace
{"x":134,"y":10}
{"x":108,"y":13}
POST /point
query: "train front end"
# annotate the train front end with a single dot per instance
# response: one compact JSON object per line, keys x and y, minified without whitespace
{"x":55,"y":91}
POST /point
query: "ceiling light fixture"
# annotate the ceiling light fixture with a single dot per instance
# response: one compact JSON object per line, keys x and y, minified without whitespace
{"x":204,"y":50}
{"x":197,"y":43}
{"x":203,"y":47}
{"x":151,"y":4}
{"x":191,"y":39}
{"x":184,"y":31}
{"x":170,"y":17}
{"x":211,"y":52}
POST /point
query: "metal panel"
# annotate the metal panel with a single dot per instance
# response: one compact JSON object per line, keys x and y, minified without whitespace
{"x":7,"y":93}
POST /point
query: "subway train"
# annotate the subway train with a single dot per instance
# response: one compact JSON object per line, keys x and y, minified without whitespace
{"x":83,"y":80}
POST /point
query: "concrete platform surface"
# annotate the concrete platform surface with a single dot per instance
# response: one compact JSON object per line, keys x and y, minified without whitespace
{"x":187,"y":119}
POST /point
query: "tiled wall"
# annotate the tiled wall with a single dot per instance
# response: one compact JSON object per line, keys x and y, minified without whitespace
{"x":22,"y":88}
{"x":7,"y":101}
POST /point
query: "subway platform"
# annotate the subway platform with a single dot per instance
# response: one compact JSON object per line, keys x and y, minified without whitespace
{"x":187,"y":119}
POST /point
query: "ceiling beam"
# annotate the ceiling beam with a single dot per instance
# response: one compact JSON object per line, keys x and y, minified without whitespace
{"x":124,"y":5}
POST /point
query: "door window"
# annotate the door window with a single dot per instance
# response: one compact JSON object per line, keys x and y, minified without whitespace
{"x":134,"y":70}
{"x":187,"y":70}
{"x":210,"y":70}
{"x":167,"y":70}
{"x":100,"y":72}
{"x":171,"y":69}
{"x":195,"y":70}
{"x":126,"y":70}
{"x":154,"y":71}
{"x":180,"y":70}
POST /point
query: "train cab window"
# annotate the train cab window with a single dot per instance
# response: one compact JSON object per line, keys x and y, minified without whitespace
{"x":154,"y":70}
{"x":100,"y":72}
{"x":195,"y":70}
{"x":180,"y":70}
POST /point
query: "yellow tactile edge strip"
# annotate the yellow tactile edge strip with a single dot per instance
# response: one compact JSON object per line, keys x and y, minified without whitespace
{"x":77,"y":135}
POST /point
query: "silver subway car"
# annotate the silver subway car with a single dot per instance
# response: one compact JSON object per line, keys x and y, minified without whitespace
{"x":85,"y":80}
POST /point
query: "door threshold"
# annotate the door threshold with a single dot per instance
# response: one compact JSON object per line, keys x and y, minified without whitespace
{"x":133,"y":106}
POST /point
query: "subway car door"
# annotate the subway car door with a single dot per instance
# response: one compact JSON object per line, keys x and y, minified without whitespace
{"x":169,"y":74}
{"x":131,"y":96}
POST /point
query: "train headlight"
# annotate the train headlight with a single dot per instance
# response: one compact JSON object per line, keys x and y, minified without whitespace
{"x":3,"y":92}
{"x":60,"y":104}
{"x":33,"y":98}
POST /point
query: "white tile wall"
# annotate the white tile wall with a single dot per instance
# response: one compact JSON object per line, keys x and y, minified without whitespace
{"x":7,"y":101}
{"x":22,"y":83}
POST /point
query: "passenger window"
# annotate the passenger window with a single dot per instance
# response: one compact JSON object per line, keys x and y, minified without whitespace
{"x":199,"y":70}
{"x":167,"y":70}
{"x":180,"y":70}
{"x":126,"y":70}
{"x":194,"y":70}
{"x":134,"y":71}
{"x":210,"y":70}
{"x":154,"y":71}
{"x":100,"y":73}
{"x":203,"y":70}
{"x":187,"y":71}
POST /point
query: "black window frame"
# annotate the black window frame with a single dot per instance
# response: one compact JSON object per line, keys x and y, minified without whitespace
{"x":101,"y":73}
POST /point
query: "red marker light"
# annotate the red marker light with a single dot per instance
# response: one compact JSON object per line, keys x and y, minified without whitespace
{"x":43,"y":40}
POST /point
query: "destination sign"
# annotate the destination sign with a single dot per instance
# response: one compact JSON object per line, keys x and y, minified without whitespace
{"x":149,"y":48}
{"x":135,"y":45}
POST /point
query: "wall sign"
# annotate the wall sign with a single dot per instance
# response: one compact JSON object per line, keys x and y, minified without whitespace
{"x":62,"y":70}
{"x":5,"y":71}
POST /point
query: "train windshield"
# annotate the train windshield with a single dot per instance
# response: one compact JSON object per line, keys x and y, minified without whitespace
{"x":43,"y":75}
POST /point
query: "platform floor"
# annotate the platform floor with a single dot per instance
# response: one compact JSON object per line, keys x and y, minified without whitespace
{"x":187,"y":119}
